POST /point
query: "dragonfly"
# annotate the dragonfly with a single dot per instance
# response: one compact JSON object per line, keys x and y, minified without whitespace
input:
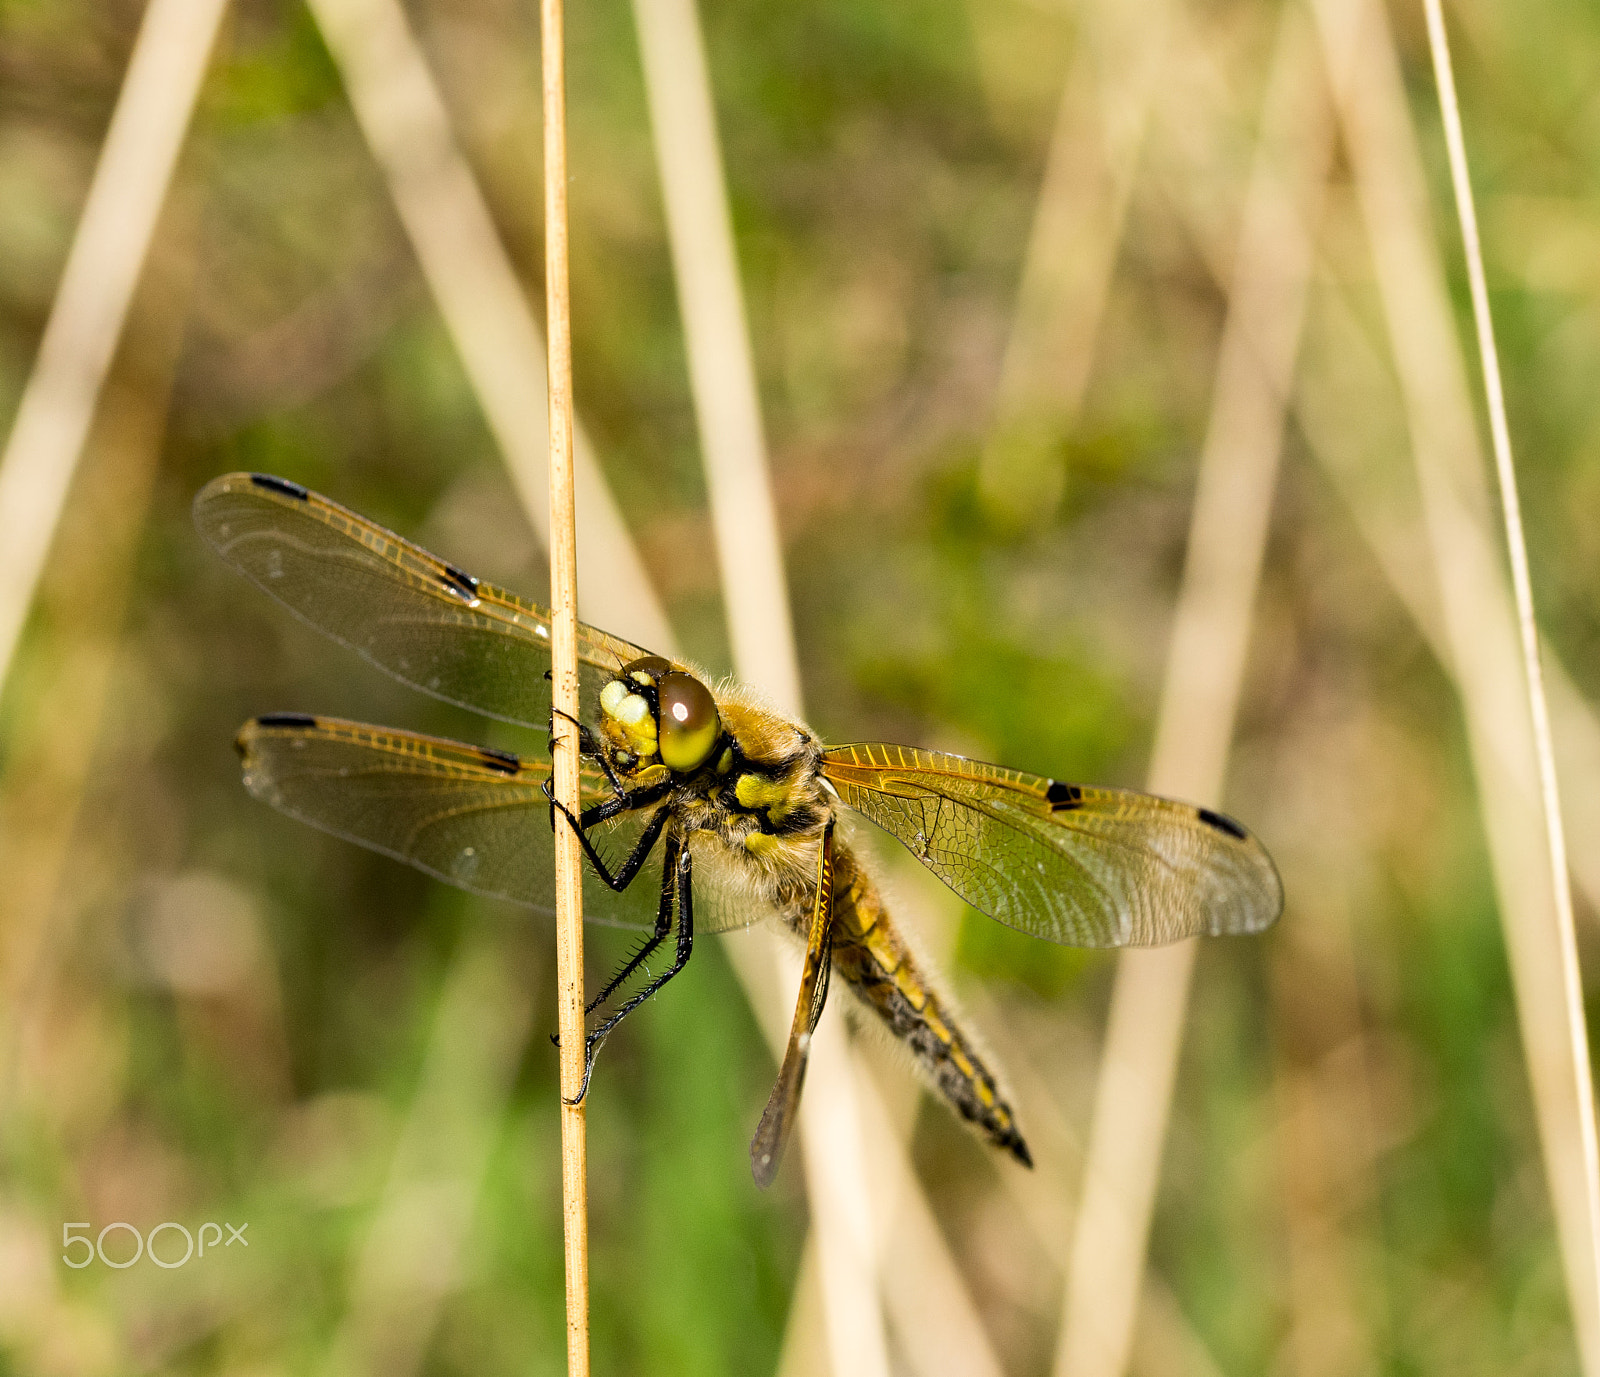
{"x":702,"y":809}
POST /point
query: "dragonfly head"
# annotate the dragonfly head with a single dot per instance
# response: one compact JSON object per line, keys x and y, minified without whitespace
{"x":654,"y":711}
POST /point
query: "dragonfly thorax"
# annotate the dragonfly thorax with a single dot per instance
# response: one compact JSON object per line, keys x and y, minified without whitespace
{"x":654,"y":714}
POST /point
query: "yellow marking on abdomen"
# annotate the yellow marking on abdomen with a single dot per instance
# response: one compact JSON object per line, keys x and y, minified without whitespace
{"x":870,"y":955}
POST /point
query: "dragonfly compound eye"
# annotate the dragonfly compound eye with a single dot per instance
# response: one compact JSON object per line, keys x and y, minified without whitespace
{"x":647,"y":670}
{"x":688,"y":722}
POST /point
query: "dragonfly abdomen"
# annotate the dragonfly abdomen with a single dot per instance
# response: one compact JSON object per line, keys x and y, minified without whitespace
{"x":870,"y":954}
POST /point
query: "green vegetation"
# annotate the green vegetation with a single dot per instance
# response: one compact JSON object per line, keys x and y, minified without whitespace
{"x":210,"y":1013}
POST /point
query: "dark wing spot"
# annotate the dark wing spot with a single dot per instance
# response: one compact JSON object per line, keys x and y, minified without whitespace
{"x":1060,"y":795}
{"x":461,"y":583}
{"x":1223,"y":823}
{"x":272,"y":483}
{"x":286,"y":719}
{"x":503,"y":761}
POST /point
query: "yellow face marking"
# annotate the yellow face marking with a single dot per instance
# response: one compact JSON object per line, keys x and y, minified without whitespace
{"x":631,"y":714}
{"x":634,"y":714}
{"x":726,"y":763}
{"x":640,"y":677}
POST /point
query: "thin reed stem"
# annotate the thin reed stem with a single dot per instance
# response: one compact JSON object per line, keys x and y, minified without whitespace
{"x":1522,"y":589}
{"x":564,"y":692}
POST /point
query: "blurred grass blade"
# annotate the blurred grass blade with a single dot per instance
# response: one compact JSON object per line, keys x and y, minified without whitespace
{"x":502,"y":349}
{"x":1346,"y":435}
{"x":1165,"y":1343}
{"x":103,"y":266}
{"x":1090,"y":170}
{"x":935,"y":1318}
{"x":721,"y":370}
{"x":73,"y":673}
{"x":1478,"y":616}
{"x":1337,"y":437}
{"x":1238,"y":471}
{"x":728,"y":410}
{"x":411,"y":1259}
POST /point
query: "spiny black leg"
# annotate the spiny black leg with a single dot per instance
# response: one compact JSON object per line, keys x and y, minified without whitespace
{"x":621,"y":803}
{"x":685,"y":890}
{"x":586,"y":743}
{"x":662,"y":928}
{"x":600,"y":813}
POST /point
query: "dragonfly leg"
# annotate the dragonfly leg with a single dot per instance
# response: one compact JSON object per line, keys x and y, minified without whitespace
{"x":600,"y":813}
{"x":657,"y":937}
{"x":766,"y":1148}
{"x":589,"y":749}
{"x":677,"y":874}
{"x":586,"y":746}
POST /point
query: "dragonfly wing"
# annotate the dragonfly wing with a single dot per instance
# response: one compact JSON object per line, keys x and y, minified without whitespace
{"x":474,"y":817}
{"x":1083,"y":866}
{"x":409,"y":612}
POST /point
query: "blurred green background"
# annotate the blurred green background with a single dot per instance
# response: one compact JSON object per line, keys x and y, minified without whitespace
{"x":212,"y":1013}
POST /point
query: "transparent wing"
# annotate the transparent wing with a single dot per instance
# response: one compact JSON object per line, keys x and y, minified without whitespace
{"x":410,"y":613}
{"x":1082,"y":866}
{"x":474,"y":817}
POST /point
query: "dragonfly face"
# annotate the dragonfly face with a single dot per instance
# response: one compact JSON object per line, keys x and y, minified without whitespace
{"x":722,"y":812}
{"x":657,"y":717}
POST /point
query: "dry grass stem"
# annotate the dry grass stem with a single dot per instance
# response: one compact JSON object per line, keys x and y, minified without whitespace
{"x":1539,"y":713}
{"x":832,"y":1148}
{"x":936,"y":1322}
{"x":1164,"y":1340}
{"x":1479,"y":618}
{"x":103,"y":267}
{"x":405,"y":121}
{"x":805,"y":1341}
{"x":1238,"y":470}
{"x":564,"y":702}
